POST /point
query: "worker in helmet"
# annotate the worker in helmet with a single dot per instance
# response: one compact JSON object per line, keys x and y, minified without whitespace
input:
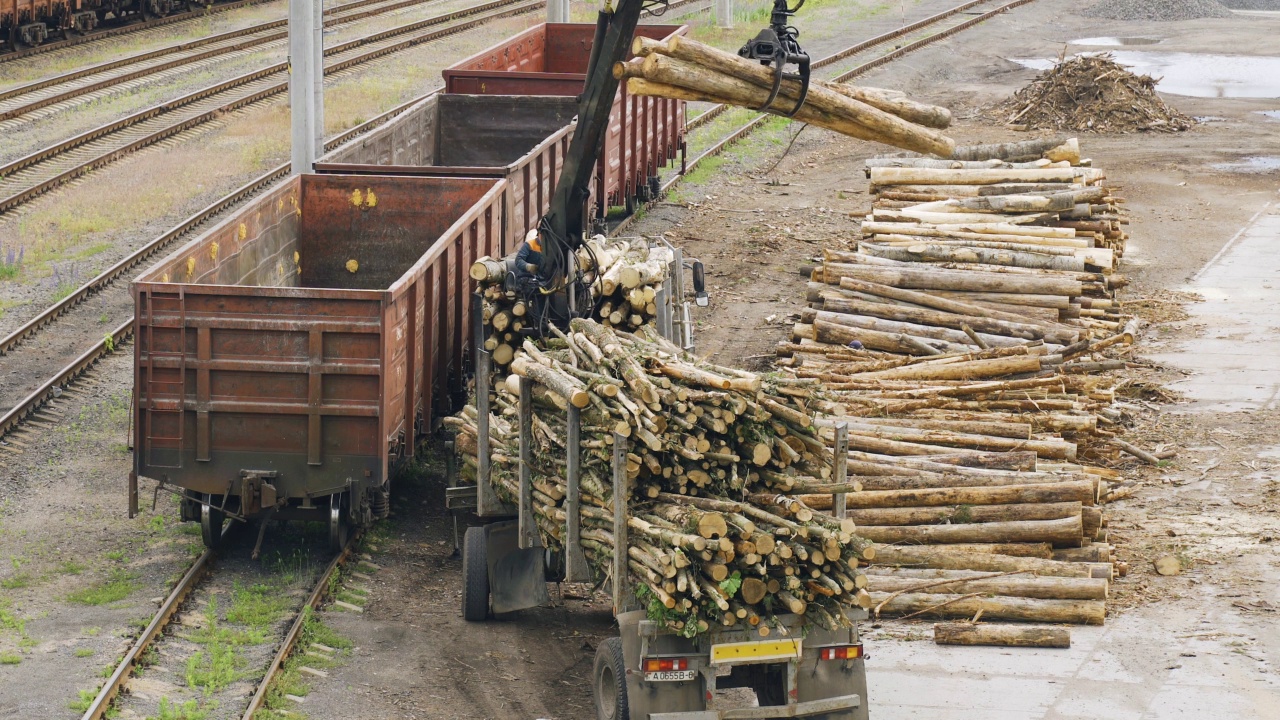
{"x":529,"y":256}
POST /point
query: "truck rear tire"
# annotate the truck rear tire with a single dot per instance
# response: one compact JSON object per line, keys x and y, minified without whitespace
{"x":610,"y":687}
{"x":475,"y":576}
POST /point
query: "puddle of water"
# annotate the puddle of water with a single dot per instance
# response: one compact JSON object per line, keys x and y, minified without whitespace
{"x":1254,"y":164}
{"x":1196,"y":74}
{"x":1118,"y":41}
{"x":1207,"y":118}
{"x":1273,"y":114}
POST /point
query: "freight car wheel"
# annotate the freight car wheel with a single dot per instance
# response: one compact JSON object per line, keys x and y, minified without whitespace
{"x":610,"y":687}
{"x":339,"y":525}
{"x":211,"y":521}
{"x":475,"y":576}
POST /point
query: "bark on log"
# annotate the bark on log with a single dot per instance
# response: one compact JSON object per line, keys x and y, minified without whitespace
{"x":1001,"y":635}
{"x":1076,"y":490}
{"x":1064,"y":531}
{"x":936,"y":279}
{"x":953,"y":513}
{"x":942,"y":557}
{"x":1044,"y":588}
{"x":1054,"y":149}
{"x":1083,"y":612}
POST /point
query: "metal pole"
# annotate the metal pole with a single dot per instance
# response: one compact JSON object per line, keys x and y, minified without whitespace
{"x":306,"y":82}
{"x":557,"y":11}
{"x":528,"y":526}
{"x":620,"y":541}
{"x":840,"y":469}
{"x":724,"y":13}
{"x":575,"y":563}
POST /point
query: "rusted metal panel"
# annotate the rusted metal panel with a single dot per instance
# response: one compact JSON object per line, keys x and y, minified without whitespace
{"x":522,"y":139}
{"x":317,"y":371}
{"x":551,"y":59}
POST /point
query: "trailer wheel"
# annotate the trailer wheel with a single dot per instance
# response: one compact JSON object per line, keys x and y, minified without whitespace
{"x":610,"y":687}
{"x":211,"y":521}
{"x":475,"y":576}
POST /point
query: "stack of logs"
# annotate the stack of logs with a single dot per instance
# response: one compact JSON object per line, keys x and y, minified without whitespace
{"x":963,"y":343}
{"x":622,"y":275}
{"x":685,"y":69}
{"x":712,"y":538}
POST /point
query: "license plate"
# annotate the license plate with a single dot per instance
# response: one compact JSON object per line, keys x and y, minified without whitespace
{"x":670,"y":676}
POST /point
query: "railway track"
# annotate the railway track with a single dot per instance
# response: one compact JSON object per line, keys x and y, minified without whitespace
{"x":200,"y":588}
{"x":31,"y":406}
{"x":54,"y":94}
{"x":56,"y":165}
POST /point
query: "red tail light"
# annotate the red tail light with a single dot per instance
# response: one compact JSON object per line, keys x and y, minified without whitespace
{"x":665,"y":664}
{"x":840,"y":652}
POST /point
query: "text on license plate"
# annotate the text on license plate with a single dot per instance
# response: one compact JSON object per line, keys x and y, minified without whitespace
{"x":670,"y":675}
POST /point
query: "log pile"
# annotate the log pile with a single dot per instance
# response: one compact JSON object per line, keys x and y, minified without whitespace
{"x":622,"y":276}
{"x":963,"y":344}
{"x":685,"y":69}
{"x":714,"y":539}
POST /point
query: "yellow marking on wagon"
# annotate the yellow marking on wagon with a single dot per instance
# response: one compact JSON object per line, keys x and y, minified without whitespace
{"x":370,"y":200}
{"x":191,"y":266}
{"x":243,"y":231}
{"x":213,"y":251}
{"x":357,"y":198}
{"x":352,"y":265}
{"x":756,"y":650}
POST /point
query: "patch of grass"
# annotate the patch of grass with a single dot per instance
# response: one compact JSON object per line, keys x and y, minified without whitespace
{"x":94,"y":249}
{"x":705,"y":171}
{"x":290,"y":680}
{"x":213,"y":668}
{"x":71,"y":567}
{"x":156,"y":523}
{"x":86,"y":699}
{"x":117,"y":586}
{"x":92,"y":632}
{"x":10,"y":658}
{"x":189,"y":528}
{"x":117,"y":555}
{"x":10,"y":620}
{"x":259,"y":606}
{"x":84,"y":652}
{"x":20,"y":580}
{"x":189,"y":710}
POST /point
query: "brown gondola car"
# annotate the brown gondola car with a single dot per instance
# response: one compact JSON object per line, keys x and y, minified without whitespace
{"x":522,"y":139}
{"x":645,"y":133}
{"x":288,"y":357}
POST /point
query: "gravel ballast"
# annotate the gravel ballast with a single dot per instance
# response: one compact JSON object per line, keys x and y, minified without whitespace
{"x":1158,"y":10}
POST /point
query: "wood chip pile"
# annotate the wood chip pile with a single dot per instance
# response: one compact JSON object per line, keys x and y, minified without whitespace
{"x":1093,"y":93}
{"x":714,"y":453}
{"x":964,"y":343}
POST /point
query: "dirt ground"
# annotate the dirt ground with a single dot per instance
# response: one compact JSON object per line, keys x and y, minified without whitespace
{"x":762,"y":215}
{"x":768,"y":208}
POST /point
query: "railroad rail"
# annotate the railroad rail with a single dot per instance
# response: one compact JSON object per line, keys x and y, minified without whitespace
{"x":15,"y":416}
{"x":198,"y":571}
{"x":64,"y":87}
{"x":39,"y":172}
{"x":125,"y":29}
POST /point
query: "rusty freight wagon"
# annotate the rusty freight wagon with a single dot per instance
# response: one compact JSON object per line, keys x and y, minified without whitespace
{"x":551,"y":59}
{"x":288,"y":357}
{"x":31,"y":22}
{"x":518,"y":138}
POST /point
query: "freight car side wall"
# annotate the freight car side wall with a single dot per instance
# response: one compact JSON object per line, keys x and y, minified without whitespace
{"x":315,"y":372}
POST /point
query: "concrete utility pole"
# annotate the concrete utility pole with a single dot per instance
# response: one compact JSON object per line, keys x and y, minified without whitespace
{"x":724,"y":13}
{"x":306,"y":81}
{"x":557,"y":11}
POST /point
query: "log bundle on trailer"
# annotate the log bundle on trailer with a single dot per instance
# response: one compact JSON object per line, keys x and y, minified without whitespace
{"x":715,"y":536}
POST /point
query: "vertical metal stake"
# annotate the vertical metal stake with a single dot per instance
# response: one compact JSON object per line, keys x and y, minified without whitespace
{"x":840,"y":468}
{"x":575,"y":562}
{"x":620,"y":542}
{"x":528,"y":525}
{"x":486,"y":503}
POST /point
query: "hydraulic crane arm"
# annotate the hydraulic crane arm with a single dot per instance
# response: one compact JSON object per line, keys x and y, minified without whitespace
{"x":562,"y":229}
